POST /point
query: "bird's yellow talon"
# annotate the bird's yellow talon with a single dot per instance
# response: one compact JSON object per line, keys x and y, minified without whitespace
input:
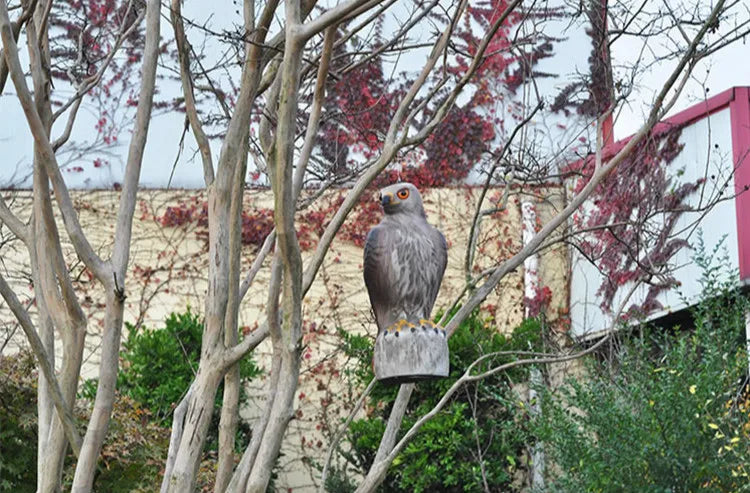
{"x":399,"y":326}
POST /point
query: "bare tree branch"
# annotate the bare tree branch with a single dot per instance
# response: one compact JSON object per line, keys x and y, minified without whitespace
{"x":14,"y":224}
{"x":313,"y":120}
{"x":332,"y":16}
{"x":16,"y":27}
{"x":340,"y":434}
{"x":187,"y":91}
{"x":70,"y":218}
{"x":105,"y":393}
{"x":90,"y":82}
{"x":257,"y":263}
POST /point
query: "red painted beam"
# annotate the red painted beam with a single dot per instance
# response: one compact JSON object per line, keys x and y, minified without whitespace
{"x":739,"y":110}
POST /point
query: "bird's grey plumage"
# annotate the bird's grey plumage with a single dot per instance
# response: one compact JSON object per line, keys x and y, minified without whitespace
{"x":405,"y":259}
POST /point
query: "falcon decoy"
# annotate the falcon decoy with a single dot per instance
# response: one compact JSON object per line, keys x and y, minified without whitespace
{"x":404,"y":263}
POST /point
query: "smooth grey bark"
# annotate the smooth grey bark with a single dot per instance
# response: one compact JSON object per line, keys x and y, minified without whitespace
{"x":224,"y":190}
{"x":286,"y":333}
{"x":98,"y":424}
{"x":53,"y":287}
{"x":230,"y":413}
{"x":239,"y":479}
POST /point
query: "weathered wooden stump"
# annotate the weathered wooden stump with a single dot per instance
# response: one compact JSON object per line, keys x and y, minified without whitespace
{"x":419,"y":352}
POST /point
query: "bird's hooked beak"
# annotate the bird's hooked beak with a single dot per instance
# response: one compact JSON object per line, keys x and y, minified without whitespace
{"x":386,"y":199}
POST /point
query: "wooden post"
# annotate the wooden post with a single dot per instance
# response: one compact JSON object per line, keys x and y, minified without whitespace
{"x":411,"y":354}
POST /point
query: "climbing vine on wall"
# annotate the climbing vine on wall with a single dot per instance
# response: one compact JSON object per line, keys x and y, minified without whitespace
{"x":631,"y":219}
{"x":362,"y":102}
{"x":593,"y":96}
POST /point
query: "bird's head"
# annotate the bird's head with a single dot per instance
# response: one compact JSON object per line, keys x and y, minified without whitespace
{"x":401,"y":198}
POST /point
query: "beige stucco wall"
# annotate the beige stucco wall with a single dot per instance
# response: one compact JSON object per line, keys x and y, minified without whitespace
{"x":176,"y":260}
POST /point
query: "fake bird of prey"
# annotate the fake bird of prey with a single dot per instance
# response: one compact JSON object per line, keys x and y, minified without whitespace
{"x":405,"y":259}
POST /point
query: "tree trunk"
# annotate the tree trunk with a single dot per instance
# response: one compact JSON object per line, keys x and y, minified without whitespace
{"x":228,"y":424}
{"x":98,"y":424}
{"x":54,"y":288}
{"x":281,"y":412}
{"x":230,"y":406}
{"x":286,"y":338}
{"x":196,"y":424}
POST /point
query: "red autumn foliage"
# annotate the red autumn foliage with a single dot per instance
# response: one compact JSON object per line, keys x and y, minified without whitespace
{"x":257,"y":224}
{"x":598,"y":88}
{"x":363,"y":100}
{"x":625,"y":242}
{"x":536,"y":304}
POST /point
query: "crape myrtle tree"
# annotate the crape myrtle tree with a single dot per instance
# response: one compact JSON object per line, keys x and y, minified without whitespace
{"x":320,"y":100}
{"x":91,"y":46}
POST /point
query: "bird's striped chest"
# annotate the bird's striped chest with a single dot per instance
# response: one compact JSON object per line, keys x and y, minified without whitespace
{"x":409,"y":253}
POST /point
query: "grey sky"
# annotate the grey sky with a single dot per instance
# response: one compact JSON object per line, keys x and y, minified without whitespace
{"x":723,"y":70}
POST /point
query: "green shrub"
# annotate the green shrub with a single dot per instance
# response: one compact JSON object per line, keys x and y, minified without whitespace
{"x":443,"y":456}
{"x":157,"y":367}
{"x":670,"y":413}
{"x":132,"y":455}
{"x":18,"y":431}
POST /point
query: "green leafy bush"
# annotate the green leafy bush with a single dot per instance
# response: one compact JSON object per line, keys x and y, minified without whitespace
{"x":670,"y":413}
{"x":444,"y":455}
{"x":157,"y":367}
{"x":18,"y":433}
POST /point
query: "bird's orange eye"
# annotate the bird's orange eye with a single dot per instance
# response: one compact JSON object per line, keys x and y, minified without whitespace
{"x":403,"y":194}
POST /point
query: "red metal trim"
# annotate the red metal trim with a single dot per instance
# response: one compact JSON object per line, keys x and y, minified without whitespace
{"x":701,"y":110}
{"x":685,"y":117}
{"x":739,"y":110}
{"x":608,"y":130}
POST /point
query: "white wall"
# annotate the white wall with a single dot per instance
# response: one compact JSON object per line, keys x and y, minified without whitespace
{"x":707,"y":153}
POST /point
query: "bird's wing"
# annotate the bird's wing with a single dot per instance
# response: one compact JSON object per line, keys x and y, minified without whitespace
{"x":435,"y":269}
{"x":377,"y":272}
